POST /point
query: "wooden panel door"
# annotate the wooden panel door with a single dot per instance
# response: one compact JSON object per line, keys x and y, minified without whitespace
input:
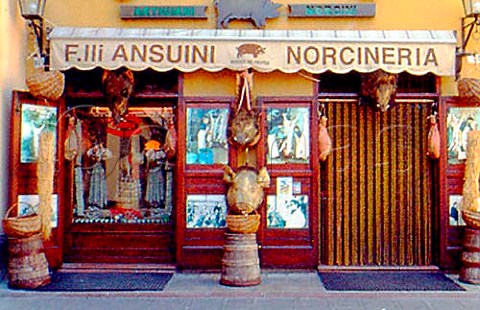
{"x":376,"y":192}
{"x":202,"y":206}
{"x":289,"y":228}
{"x":30,"y":116}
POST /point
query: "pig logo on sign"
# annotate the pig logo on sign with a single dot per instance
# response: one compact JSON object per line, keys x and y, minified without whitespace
{"x":256,"y":10}
{"x":250,"y":49}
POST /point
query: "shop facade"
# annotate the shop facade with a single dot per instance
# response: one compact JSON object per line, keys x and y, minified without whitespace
{"x":147,"y":186}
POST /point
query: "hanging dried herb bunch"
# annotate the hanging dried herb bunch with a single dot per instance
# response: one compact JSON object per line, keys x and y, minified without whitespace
{"x":45,"y":171}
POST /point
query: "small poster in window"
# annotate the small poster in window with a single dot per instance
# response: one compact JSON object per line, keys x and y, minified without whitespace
{"x":284,"y":186}
{"x":455,"y":212}
{"x":287,"y":212}
{"x":206,"y":211}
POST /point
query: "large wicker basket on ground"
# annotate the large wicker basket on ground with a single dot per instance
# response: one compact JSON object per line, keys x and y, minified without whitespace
{"x":46,"y":84}
{"x":243,"y":224}
{"x":21,"y":226}
{"x":469,"y":88}
{"x":472,"y":219}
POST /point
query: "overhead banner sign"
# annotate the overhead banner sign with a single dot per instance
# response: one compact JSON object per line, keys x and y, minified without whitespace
{"x":151,"y":12}
{"x":417,"y":52}
{"x":333,"y":10}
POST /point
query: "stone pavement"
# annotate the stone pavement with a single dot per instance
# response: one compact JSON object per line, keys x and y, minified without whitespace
{"x":288,"y":290}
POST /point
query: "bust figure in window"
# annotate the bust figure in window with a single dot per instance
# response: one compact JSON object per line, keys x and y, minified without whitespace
{"x":97,"y":194}
{"x":155,"y":189}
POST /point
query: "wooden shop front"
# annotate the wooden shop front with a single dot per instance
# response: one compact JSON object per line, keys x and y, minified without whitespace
{"x":148,"y":187}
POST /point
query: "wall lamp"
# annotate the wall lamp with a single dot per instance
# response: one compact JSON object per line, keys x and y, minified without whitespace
{"x":32,"y":10}
{"x":470,"y":21}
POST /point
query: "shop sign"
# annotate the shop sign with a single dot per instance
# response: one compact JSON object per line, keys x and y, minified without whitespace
{"x":150,"y":12}
{"x":186,"y":51}
{"x":333,"y":10}
{"x":255,"y":10}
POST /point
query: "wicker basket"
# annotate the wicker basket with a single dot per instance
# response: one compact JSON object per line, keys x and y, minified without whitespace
{"x":46,"y":84}
{"x":469,"y":88}
{"x":243,"y":224}
{"x":21,"y":226}
{"x":472,"y":219}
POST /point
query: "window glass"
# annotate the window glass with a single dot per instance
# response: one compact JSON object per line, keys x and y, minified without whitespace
{"x":35,"y":119}
{"x":207,"y":136}
{"x":287,"y":211}
{"x":123,"y":171}
{"x":288,"y":139}
{"x":206,"y":211}
{"x":459,"y":122}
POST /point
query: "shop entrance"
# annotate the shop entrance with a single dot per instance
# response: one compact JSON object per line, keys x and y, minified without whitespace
{"x":289,"y":231}
{"x":376,"y":189}
{"x":120,"y":170}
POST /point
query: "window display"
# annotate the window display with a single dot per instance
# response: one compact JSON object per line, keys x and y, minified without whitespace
{"x":206,"y":211}
{"x":207,"y":136}
{"x":287,"y":211}
{"x":288,"y":135}
{"x":459,"y":122}
{"x":123,"y":171}
{"x":35,"y":118}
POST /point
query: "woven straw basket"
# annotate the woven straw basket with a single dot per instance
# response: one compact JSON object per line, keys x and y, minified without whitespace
{"x":46,"y":84}
{"x":243,"y":224}
{"x":470,"y":88}
{"x":472,"y":219}
{"x":21,"y":226}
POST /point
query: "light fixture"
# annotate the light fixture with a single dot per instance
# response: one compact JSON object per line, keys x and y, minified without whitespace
{"x":32,"y":10}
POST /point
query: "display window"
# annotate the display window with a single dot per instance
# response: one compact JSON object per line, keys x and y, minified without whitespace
{"x":123,"y":171}
{"x":288,"y":135}
{"x":460,"y":121}
{"x":35,"y":119}
{"x":206,"y":139}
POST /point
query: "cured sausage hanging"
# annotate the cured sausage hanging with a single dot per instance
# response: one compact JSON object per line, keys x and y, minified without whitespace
{"x":433,"y":137}
{"x":324,"y":140}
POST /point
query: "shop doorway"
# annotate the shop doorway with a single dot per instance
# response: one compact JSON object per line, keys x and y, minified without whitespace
{"x":376,"y":188}
{"x":288,"y":234}
{"x":119,"y":172}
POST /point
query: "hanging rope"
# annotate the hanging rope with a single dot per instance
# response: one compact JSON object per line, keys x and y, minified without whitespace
{"x":245,"y":92}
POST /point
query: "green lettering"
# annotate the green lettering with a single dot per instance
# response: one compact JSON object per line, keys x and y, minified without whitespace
{"x":141,"y":11}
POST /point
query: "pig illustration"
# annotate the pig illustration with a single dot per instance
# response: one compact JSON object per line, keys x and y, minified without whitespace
{"x":256,"y":10}
{"x":252,"y":49}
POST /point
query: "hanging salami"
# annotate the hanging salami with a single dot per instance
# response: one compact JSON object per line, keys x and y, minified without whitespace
{"x":171,"y":140}
{"x":324,"y":141}
{"x":433,"y":138}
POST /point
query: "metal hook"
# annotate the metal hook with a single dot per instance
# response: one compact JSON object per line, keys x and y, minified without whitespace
{"x":321,"y":109}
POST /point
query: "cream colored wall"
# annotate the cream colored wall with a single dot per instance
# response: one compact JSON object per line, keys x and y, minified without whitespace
{"x":12,"y":68}
{"x":390,"y":14}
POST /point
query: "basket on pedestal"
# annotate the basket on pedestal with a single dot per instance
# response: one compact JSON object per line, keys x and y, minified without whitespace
{"x":21,"y":226}
{"x":243,"y":224}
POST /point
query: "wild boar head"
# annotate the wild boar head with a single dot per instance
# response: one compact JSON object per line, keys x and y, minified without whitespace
{"x":245,"y":192}
{"x":379,"y":88}
{"x":117,"y":88}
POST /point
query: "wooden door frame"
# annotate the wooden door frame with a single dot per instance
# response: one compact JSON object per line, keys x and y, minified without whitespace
{"x":198,"y":248}
{"x":19,"y":172}
{"x":450,"y":183}
{"x":299,"y":254}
